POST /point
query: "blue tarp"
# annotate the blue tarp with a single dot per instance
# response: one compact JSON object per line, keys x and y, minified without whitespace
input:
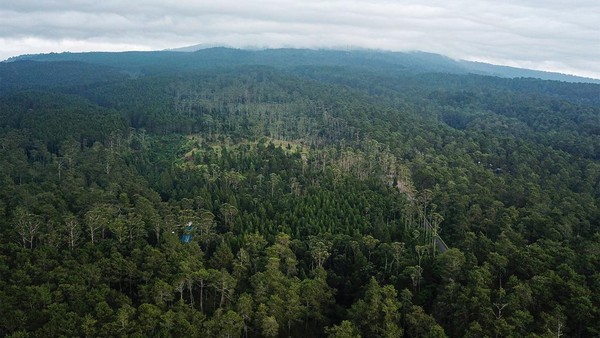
{"x":187,"y":234}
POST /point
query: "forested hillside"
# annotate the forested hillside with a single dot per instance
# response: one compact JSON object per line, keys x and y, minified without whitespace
{"x":294,"y":196}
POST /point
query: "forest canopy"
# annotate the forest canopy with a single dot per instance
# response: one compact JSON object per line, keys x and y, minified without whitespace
{"x":297,"y":194}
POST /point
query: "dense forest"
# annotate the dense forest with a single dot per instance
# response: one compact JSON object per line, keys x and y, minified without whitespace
{"x":284,"y":194}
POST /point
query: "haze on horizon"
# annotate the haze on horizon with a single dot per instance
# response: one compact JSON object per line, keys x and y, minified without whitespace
{"x":549,"y":35}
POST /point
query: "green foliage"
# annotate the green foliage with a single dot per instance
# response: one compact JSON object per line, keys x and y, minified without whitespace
{"x":320,"y":197}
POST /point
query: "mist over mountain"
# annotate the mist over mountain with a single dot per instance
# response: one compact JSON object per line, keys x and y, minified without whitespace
{"x":206,"y":56}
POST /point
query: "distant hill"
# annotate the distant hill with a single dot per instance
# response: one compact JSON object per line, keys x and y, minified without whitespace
{"x":167,"y":61}
{"x":451,"y":65}
{"x":203,"y":56}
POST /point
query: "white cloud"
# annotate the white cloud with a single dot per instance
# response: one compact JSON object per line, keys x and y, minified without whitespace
{"x":549,"y":35}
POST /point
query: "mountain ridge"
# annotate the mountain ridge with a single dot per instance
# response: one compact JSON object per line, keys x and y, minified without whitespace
{"x":200,"y":56}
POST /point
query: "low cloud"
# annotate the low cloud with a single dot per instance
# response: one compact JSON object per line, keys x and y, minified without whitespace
{"x":549,"y":35}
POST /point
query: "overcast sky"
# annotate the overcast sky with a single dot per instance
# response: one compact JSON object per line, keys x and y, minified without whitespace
{"x":553,"y":35}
